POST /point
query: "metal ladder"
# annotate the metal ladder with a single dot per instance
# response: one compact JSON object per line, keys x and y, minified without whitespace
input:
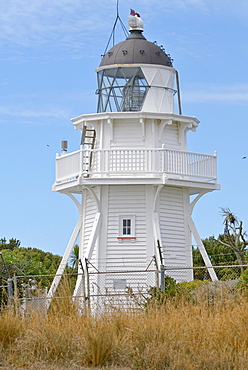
{"x":88,"y":141}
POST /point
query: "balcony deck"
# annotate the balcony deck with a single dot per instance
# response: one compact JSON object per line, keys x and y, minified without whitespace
{"x":160,"y":165}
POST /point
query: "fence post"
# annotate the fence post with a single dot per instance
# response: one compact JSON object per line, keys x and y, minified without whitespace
{"x":157,"y":271}
{"x":10,"y":290}
{"x":88,"y":283}
{"x":83,"y":283}
{"x":9,"y":281}
{"x":162,"y":271}
{"x":15,"y":291}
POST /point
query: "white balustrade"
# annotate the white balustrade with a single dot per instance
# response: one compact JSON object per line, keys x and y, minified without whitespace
{"x":135,"y":162}
{"x":68,"y":166}
{"x":189,"y":164}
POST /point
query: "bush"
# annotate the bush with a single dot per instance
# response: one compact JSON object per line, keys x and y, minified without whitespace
{"x":243,"y":282}
{"x":188,"y":286}
{"x":174,"y":289}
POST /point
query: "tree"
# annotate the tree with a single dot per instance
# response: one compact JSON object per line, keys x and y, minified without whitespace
{"x":74,"y":257}
{"x":219,"y":255}
{"x":234,"y":236}
{"x":27,"y":262}
{"x":12,"y":244}
{"x":28,"y":266}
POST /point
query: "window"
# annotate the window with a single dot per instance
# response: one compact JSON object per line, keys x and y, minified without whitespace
{"x":121,"y":89}
{"x":126,"y":227}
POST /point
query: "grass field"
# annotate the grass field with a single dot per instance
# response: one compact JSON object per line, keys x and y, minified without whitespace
{"x":201,"y":333}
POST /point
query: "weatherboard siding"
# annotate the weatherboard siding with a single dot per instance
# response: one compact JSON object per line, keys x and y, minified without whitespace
{"x":127,"y":134}
{"x":172,"y":226}
{"x":90,"y":213}
{"x":126,"y":201}
{"x":170,"y":137}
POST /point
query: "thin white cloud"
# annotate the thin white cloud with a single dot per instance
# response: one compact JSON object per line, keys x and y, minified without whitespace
{"x":43,"y":108}
{"x":41,"y":22}
{"x":27,"y":23}
{"x":23,"y":112}
{"x":217,"y":7}
{"x":198,"y":93}
{"x":231,"y":94}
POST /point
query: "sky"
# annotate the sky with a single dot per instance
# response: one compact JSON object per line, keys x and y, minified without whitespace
{"x":48,"y":52}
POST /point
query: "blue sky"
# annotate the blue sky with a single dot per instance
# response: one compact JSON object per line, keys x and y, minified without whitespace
{"x":48,"y":52}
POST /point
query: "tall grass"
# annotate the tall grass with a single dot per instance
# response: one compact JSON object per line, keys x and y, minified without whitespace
{"x":180,"y":334}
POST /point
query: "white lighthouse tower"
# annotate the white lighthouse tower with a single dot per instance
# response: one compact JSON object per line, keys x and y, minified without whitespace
{"x":136,"y":180}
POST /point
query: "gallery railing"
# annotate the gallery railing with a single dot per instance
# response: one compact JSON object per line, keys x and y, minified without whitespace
{"x":95,"y":163}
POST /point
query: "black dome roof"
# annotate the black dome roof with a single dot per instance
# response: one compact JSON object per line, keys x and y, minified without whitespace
{"x":136,"y":49}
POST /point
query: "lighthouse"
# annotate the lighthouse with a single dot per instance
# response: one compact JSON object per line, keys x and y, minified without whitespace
{"x":133,"y":180}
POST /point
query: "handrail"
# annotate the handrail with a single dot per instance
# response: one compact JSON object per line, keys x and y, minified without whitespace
{"x":137,"y":149}
{"x":141,"y":161}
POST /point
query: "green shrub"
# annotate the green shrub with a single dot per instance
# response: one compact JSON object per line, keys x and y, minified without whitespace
{"x":174,"y":289}
{"x":243,"y":282}
{"x":188,"y":286}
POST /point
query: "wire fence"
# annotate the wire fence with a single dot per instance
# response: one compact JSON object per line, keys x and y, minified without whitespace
{"x":112,"y":289}
{"x":122,"y":287}
{"x":223,"y":272}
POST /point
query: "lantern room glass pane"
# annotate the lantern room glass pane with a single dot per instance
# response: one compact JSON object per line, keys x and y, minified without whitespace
{"x":121,"y":89}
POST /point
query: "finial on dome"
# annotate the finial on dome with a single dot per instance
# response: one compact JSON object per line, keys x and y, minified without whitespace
{"x":135,"y":22}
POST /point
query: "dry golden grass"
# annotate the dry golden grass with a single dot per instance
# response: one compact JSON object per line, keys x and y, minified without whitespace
{"x":204,"y":334}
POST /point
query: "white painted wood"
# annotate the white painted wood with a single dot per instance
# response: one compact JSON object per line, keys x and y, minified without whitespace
{"x":170,"y":137}
{"x":141,"y":170}
{"x":78,"y":290}
{"x":108,"y":117}
{"x":64,"y":261}
{"x":93,"y":236}
{"x":127,"y":162}
{"x":90,"y":212}
{"x":157,"y":238}
{"x":126,"y":200}
{"x":102,"y":242}
{"x":202,"y":250}
{"x":172,"y":214}
{"x":127,"y":134}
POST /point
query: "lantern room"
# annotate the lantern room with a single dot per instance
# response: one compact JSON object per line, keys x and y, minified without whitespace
{"x":136,"y":75}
